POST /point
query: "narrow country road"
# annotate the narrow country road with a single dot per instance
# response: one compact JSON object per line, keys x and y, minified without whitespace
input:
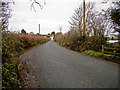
{"x":57,"y":67}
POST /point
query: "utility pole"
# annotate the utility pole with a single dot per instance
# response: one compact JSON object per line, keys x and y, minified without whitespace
{"x":39,"y":28}
{"x":83,"y":17}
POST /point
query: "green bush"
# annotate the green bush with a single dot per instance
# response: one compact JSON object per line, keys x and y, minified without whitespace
{"x":93,"y":53}
{"x":23,"y":31}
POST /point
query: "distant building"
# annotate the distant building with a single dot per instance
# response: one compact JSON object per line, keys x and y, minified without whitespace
{"x":112,"y":41}
{"x":113,"y":35}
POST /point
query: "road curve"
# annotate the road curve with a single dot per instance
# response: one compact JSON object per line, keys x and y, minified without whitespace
{"x":57,"y":67}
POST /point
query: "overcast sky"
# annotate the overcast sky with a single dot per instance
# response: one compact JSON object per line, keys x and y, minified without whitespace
{"x":53,"y":14}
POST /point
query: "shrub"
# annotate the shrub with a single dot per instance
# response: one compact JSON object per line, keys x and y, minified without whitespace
{"x":75,"y":42}
{"x":12,"y":44}
{"x":93,"y":53}
{"x":23,"y":31}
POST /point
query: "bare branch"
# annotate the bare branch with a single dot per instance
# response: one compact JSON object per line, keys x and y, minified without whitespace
{"x":35,"y":2}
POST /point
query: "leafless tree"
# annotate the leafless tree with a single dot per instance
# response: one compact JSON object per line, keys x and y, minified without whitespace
{"x":5,"y":13}
{"x":98,"y":23}
{"x":77,"y":18}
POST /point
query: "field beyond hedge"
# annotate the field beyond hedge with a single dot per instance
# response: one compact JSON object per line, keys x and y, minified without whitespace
{"x":12,"y":45}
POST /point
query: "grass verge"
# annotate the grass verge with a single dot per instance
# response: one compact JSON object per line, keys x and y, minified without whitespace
{"x":93,"y":53}
{"x":108,"y":57}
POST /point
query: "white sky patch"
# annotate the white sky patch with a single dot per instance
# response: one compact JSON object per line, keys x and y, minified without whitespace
{"x":53,"y":14}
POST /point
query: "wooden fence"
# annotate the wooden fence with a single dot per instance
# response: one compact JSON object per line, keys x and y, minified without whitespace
{"x":113,"y":51}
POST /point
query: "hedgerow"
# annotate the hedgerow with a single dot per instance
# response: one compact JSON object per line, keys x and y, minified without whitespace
{"x":12,"y":45}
